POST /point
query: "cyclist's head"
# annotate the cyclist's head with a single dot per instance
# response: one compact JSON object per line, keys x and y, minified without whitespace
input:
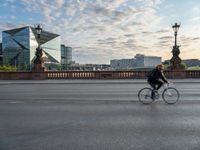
{"x":160,"y":66}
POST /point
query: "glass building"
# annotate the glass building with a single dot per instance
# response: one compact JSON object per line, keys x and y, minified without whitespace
{"x":66,"y":56}
{"x":19,"y":47}
{"x":1,"y":56}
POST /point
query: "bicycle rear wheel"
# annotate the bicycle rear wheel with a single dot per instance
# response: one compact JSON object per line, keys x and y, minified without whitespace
{"x":170,"y":95}
{"x":144,"y":96}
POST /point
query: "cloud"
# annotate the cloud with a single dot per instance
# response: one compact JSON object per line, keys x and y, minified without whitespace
{"x":6,"y":26}
{"x":164,"y":31}
{"x":59,"y":3}
{"x":129,"y":35}
{"x":118,"y":23}
{"x":71,"y":10}
{"x":196,"y":38}
{"x":113,"y":4}
{"x":13,"y":17}
{"x":166,"y":37}
{"x":195,"y":19}
{"x":100,"y":26}
{"x":196,"y":10}
{"x":101,"y":30}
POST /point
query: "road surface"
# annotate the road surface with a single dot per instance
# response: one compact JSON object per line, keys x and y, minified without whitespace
{"x":96,"y":115}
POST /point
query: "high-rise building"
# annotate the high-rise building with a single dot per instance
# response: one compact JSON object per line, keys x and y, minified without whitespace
{"x":66,"y":56}
{"x":1,"y":56}
{"x":19,"y":47}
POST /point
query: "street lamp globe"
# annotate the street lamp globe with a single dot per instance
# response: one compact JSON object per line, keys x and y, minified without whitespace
{"x":176,"y":27}
{"x":38,"y":29}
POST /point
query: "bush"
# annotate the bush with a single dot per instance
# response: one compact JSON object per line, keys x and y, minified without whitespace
{"x":7,"y":68}
{"x":194,"y":68}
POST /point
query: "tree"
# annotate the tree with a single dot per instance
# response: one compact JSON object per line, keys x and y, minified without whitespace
{"x":194,"y":68}
{"x":7,"y":68}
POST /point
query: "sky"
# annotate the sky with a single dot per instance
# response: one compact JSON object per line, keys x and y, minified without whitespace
{"x":102,"y":30}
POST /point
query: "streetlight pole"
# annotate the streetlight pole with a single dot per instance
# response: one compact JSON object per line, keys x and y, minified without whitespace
{"x":176,"y":28}
{"x":38,"y":67}
{"x":175,"y":35}
{"x":175,"y":62}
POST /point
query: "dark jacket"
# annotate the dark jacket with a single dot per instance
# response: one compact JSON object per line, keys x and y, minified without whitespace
{"x":157,"y":74}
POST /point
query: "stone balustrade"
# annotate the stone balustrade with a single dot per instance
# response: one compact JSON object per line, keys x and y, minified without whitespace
{"x":93,"y":75}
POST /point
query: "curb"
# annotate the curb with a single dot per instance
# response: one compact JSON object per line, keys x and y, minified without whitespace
{"x":193,"y":81}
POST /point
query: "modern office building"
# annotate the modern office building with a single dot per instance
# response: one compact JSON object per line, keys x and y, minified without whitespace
{"x":122,"y":63}
{"x":19,"y":47}
{"x":1,"y":56}
{"x":143,"y":61}
{"x":138,"y":62}
{"x":66,"y":57}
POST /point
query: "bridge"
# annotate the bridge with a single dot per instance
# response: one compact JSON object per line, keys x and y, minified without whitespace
{"x":96,"y":114}
{"x":181,"y":74}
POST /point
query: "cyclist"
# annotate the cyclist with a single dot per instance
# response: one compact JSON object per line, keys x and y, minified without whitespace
{"x":156,"y":79}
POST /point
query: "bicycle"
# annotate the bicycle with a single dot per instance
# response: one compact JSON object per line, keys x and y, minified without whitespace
{"x":170,"y":95}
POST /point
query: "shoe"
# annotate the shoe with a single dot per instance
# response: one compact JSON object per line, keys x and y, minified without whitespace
{"x":153,"y":97}
{"x":153,"y":94}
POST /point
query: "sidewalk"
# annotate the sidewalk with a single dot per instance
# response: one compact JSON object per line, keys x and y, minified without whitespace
{"x":91,"y":81}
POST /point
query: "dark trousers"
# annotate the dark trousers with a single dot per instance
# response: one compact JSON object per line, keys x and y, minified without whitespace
{"x":156,"y":84}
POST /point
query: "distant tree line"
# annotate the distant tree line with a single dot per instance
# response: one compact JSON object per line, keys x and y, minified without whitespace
{"x":7,"y":68}
{"x":190,"y":64}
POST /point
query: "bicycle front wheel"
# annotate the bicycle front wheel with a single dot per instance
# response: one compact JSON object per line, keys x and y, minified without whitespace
{"x":144,"y":96}
{"x":170,"y":95}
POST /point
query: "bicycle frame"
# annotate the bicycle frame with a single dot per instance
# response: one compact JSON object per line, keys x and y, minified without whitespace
{"x":164,"y":86}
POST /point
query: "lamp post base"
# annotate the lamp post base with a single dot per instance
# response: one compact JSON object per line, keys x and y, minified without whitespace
{"x":38,"y":68}
{"x":175,"y":62}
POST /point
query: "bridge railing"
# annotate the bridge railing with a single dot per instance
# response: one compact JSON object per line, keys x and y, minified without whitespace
{"x":193,"y":74}
{"x":94,"y":75}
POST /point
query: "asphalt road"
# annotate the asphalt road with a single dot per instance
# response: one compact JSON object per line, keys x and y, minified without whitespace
{"x":94,"y":115}
{"x":85,"y":90}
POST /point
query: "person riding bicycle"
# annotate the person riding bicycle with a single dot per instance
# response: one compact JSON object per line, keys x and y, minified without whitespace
{"x":156,"y":78}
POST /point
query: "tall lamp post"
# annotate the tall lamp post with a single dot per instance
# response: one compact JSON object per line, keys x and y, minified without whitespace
{"x":176,"y":28}
{"x":38,"y":62}
{"x":175,"y":62}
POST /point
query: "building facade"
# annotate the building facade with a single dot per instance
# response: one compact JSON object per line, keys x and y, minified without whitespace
{"x":138,"y":62}
{"x":143,"y":61}
{"x":191,"y":62}
{"x":1,"y":55}
{"x":66,"y":57}
{"x":122,"y":64}
{"x":19,"y":47}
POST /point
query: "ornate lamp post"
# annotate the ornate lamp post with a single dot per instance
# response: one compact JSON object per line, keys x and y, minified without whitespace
{"x":38,"y":30}
{"x":38,"y":67}
{"x":175,"y":62}
{"x":176,"y":28}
